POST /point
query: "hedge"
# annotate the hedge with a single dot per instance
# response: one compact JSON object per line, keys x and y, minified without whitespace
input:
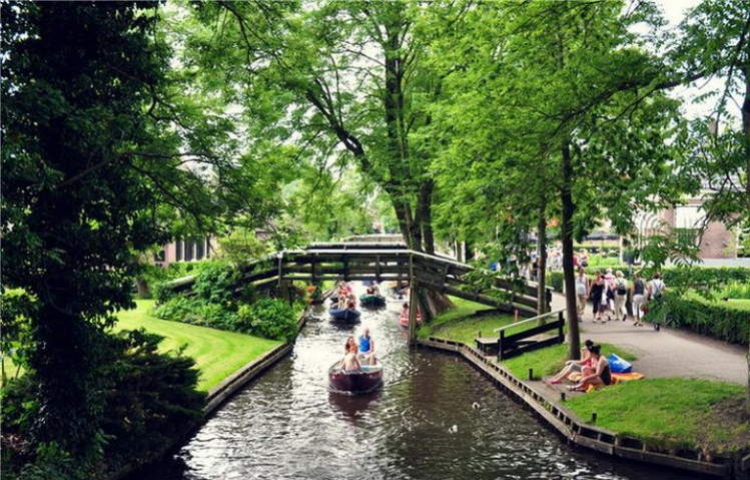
{"x":716,"y":319}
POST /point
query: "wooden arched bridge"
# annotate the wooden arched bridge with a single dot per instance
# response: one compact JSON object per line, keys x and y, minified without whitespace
{"x":356,"y":261}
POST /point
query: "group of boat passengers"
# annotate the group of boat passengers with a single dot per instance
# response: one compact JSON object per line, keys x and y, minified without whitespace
{"x":357,"y":355}
{"x":348,"y":300}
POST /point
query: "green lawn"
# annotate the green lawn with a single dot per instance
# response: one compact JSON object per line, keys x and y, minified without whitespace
{"x":217,"y":353}
{"x":667,"y":411}
{"x":453,"y":324}
{"x":548,"y":361}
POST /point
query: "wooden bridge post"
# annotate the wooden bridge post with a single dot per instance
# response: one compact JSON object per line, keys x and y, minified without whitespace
{"x":413,"y":309}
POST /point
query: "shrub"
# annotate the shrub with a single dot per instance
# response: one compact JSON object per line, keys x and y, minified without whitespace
{"x":717,"y":319}
{"x":736,"y":290}
{"x":196,"y":311}
{"x":149,"y":402}
{"x":216,"y":283}
{"x":269,"y":318}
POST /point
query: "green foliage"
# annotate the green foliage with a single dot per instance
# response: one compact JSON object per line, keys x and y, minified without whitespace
{"x":217,"y":353}
{"x":197,"y":311}
{"x":269,"y":318}
{"x":241,"y":246}
{"x":735,"y":290}
{"x":716,"y":319}
{"x":216,"y":283}
{"x":150,"y":401}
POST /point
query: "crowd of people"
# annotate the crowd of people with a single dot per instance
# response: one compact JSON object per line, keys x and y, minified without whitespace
{"x":609,"y":292}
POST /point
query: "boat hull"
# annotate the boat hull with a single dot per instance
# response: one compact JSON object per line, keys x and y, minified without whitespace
{"x":356,"y":383}
{"x":345,"y":315}
{"x":372,"y":301}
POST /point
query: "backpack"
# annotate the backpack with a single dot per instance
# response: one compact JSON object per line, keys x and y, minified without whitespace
{"x":656,"y":289}
{"x":622,"y":289}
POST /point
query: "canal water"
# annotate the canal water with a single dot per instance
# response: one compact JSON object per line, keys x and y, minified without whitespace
{"x":435,"y":418}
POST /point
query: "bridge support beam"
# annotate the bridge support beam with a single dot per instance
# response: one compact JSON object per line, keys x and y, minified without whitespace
{"x":413,"y":309}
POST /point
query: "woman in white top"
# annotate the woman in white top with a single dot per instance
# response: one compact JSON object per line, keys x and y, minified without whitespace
{"x":621,"y":294}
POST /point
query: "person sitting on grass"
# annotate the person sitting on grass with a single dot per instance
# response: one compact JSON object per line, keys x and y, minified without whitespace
{"x":598,"y":374}
{"x":572,"y":366}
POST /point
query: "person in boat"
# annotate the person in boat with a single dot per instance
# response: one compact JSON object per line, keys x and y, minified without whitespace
{"x":367,"y":347}
{"x":598,"y":374}
{"x":375,"y":288}
{"x":351,"y":304}
{"x":370,"y":291}
{"x":350,"y":362}
{"x":572,"y":366}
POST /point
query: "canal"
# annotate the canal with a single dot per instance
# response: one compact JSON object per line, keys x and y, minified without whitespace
{"x":435,"y":418}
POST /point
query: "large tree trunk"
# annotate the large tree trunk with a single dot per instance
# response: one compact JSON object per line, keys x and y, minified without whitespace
{"x":746,"y":130}
{"x":541,"y":247}
{"x":424,"y":210}
{"x":568,"y":209}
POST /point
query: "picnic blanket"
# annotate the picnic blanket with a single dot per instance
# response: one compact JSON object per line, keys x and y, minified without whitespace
{"x":619,"y":378}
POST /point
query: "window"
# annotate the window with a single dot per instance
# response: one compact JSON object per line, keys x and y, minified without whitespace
{"x":189,"y":250}
{"x":200,"y":248}
{"x":178,"y":247}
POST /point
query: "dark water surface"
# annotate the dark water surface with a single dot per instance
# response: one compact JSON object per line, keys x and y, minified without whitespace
{"x":435,"y":418}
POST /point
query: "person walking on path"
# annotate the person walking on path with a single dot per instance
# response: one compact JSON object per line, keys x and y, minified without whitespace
{"x":582,"y":291}
{"x":621,"y":294}
{"x":639,"y":299}
{"x":656,"y":290}
{"x":598,"y":295}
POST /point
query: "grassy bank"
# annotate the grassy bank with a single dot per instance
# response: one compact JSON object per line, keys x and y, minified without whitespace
{"x":670,"y":412}
{"x":548,"y":361}
{"x":217,"y":353}
{"x":457,"y":323}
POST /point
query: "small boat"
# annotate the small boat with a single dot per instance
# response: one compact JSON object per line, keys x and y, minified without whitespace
{"x":345,"y":314}
{"x":366,"y":380}
{"x":372,"y":300}
{"x":403,"y":319}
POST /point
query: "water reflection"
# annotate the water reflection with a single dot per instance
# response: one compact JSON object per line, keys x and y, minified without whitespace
{"x":435,"y":418}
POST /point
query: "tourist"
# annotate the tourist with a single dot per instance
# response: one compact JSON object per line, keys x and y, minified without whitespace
{"x":597,"y":374}
{"x":584,"y":260}
{"x":572,"y":366}
{"x":598,"y":296}
{"x":582,"y":291}
{"x":367,"y":347}
{"x":639,"y":298}
{"x":656,"y":290}
{"x":620,"y":294}
{"x":350,"y":362}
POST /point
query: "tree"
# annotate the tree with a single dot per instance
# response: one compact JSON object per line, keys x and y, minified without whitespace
{"x":547,"y":99}
{"x":97,"y":165}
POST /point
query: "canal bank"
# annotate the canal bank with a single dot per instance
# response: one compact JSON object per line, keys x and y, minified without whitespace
{"x":219,"y":394}
{"x":436,"y":417}
{"x":577,"y":431}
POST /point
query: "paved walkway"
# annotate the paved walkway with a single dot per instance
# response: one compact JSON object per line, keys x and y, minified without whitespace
{"x":669,"y":352}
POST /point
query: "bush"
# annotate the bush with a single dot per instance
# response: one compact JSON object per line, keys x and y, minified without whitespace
{"x":269,"y":318}
{"x":716,"y":319}
{"x":197,"y":311}
{"x":735,"y":290}
{"x":216,"y":283}
{"x":149,"y":402}
{"x":706,"y":278}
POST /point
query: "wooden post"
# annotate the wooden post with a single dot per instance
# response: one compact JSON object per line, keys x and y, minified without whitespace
{"x":500,"y":345}
{"x":413,"y":309}
{"x":561,"y":327}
